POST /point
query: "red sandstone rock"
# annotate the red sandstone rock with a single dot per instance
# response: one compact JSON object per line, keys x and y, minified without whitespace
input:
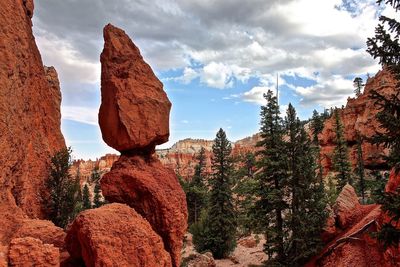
{"x":346,"y":206}
{"x":43,"y":230}
{"x":29,"y":120}
{"x":394,"y":181}
{"x":30,"y":251}
{"x":115,"y":235}
{"x":359,"y":116}
{"x":330,"y":230}
{"x":154,"y":192}
{"x":134,"y":111}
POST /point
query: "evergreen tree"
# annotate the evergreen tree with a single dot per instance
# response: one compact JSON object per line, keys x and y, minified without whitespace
{"x":360,"y":167}
{"x":97,"y":196}
{"x":196,"y":191}
{"x":272,"y":179}
{"x":385,"y":46}
{"x":216,"y":232}
{"x":86,"y":198}
{"x":307,"y":215}
{"x":341,"y":161}
{"x":317,"y":125}
{"x":244,"y":189}
{"x":64,"y":190}
{"x":95,"y":175}
{"x":358,"y":85}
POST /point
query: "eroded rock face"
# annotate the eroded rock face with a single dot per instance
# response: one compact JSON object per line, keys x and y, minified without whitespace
{"x":29,"y":112}
{"x":359,"y":115}
{"x":346,"y":206}
{"x":43,"y":230}
{"x":115,"y":235}
{"x":154,"y":192}
{"x":134,"y":111}
{"x":29,"y":131}
{"x":29,"y":251}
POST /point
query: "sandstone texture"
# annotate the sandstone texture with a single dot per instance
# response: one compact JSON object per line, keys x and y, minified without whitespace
{"x":30,"y":251}
{"x":115,"y":235}
{"x":29,"y":112}
{"x":346,"y":206}
{"x":359,"y":116}
{"x":153,"y":191}
{"x":30,"y":134}
{"x":134,"y":118}
{"x":134,"y":111}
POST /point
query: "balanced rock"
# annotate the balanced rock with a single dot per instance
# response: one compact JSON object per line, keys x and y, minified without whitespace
{"x":115,"y":235}
{"x":154,"y":192}
{"x":346,"y":206}
{"x":134,"y":111}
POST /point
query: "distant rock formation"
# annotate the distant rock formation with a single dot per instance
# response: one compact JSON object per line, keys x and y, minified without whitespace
{"x":134,"y":118}
{"x":30,"y":134}
{"x":359,"y":115}
{"x":182,"y":156}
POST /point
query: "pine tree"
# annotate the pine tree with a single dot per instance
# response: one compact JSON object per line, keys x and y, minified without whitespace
{"x":217,"y":231}
{"x":64,"y":190}
{"x":385,"y":46}
{"x":196,"y":191}
{"x":317,"y":125}
{"x":360,"y":167}
{"x":358,"y":85}
{"x":86,"y":204}
{"x":341,"y":161}
{"x":272,"y":179}
{"x":97,"y":196}
{"x":307,"y":215}
{"x":95,"y":175}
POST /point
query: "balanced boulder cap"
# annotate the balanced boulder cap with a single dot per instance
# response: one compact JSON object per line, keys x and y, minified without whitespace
{"x":134,"y":111}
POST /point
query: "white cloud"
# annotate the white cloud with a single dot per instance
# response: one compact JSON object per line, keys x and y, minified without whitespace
{"x":80,"y":114}
{"x":228,"y":44}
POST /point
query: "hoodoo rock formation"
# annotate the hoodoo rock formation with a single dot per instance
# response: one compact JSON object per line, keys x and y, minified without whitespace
{"x":134,"y":118}
{"x":129,"y":90}
{"x":29,"y":134}
{"x":359,"y":116}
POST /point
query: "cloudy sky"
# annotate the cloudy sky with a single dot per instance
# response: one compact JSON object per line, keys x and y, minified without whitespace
{"x":215,"y":58}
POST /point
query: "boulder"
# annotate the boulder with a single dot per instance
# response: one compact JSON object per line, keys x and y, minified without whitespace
{"x":134,"y":111}
{"x":346,"y":206}
{"x":199,"y":260}
{"x":29,"y":251}
{"x":43,"y":230}
{"x":115,"y":235}
{"x":153,"y":191}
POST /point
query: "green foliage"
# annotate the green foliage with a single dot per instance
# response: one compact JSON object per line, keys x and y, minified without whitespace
{"x":64,"y":190}
{"x":331,"y":190}
{"x":272,"y":179}
{"x":97,"y":196}
{"x":95,"y":175}
{"x":317,"y":125}
{"x":86,"y":203}
{"x":216,"y":232}
{"x":244,"y":189}
{"x":360,"y":168}
{"x":341,"y":161}
{"x":358,"y":85}
{"x":196,"y":191}
{"x":390,"y":234}
{"x":385,"y":46}
{"x":307,"y":208}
